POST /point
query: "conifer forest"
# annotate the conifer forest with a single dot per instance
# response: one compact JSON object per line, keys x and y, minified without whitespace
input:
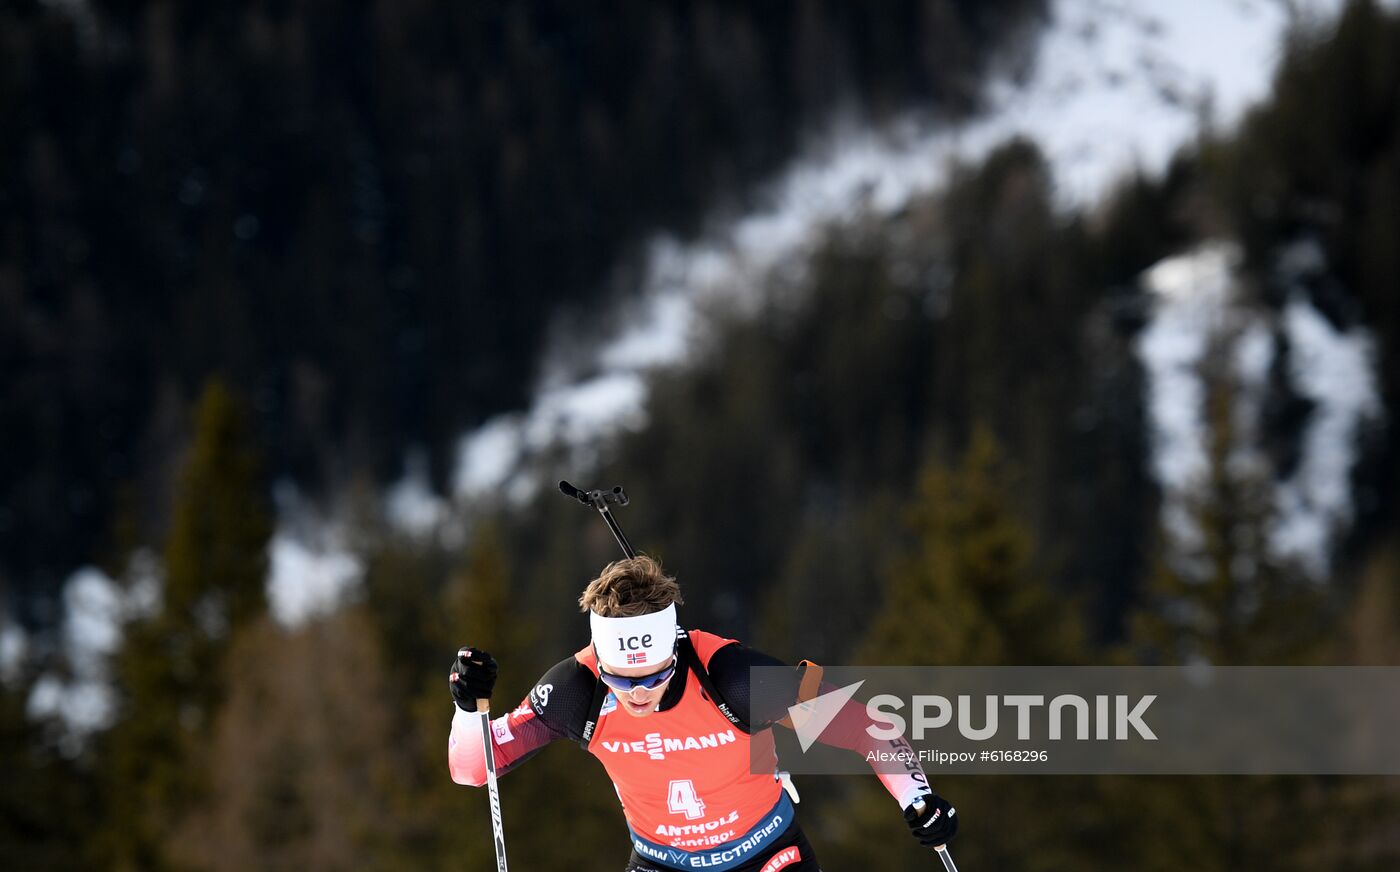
{"x":305,"y":308}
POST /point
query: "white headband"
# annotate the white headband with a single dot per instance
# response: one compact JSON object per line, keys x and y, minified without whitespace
{"x":641,"y":640}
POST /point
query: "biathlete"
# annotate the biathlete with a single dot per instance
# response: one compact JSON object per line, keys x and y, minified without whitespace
{"x":692,"y":762}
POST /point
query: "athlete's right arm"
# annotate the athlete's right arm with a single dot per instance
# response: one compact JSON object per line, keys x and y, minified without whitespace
{"x":554,"y":709}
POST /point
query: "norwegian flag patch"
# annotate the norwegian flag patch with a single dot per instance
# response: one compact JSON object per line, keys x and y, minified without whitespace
{"x":638,"y":657}
{"x":782,"y":858}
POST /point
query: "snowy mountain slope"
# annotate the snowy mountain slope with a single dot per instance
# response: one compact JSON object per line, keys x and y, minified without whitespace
{"x":1116,"y":86}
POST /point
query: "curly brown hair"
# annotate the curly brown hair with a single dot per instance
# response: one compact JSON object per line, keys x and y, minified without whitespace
{"x":627,"y":588}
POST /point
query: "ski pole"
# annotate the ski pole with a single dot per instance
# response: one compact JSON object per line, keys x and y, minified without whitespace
{"x":600,"y":499}
{"x":943,"y":853}
{"x":483,"y":711}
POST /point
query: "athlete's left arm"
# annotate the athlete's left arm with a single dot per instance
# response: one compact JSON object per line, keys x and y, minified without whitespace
{"x":762,"y":707}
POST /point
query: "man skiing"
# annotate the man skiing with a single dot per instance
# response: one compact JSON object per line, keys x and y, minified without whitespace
{"x":681,"y":758}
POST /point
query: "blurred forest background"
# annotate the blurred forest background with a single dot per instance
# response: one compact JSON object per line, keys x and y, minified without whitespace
{"x":245,"y":244}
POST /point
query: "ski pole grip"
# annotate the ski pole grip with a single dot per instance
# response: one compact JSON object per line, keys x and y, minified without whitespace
{"x":919,"y":806}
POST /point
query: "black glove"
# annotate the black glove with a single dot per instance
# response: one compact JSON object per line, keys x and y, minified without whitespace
{"x":936,"y":825}
{"x":473,"y":677}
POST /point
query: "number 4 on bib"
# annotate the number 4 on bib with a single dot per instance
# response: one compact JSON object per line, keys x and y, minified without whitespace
{"x":681,"y":799}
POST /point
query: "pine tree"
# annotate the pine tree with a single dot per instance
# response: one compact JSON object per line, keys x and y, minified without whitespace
{"x":45,"y":799}
{"x":169,"y":669}
{"x":1226,"y":598}
{"x":968,"y":595}
{"x":304,"y":757}
{"x":1220,"y":595}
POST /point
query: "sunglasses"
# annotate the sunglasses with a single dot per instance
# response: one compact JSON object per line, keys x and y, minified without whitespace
{"x":623,"y":684}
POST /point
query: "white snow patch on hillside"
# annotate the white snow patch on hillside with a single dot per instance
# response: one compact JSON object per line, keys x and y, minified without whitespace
{"x":1192,"y":293}
{"x":1196,"y":302}
{"x":495,"y":460}
{"x":1336,"y":370}
{"x":489,"y":455}
{"x":309,"y":578}
{"x":79,"y":695}
{"x":312,"y":569}
{"x":1117,"y":84}
{"x":14,"y":647}
{"x":411,"y":505}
